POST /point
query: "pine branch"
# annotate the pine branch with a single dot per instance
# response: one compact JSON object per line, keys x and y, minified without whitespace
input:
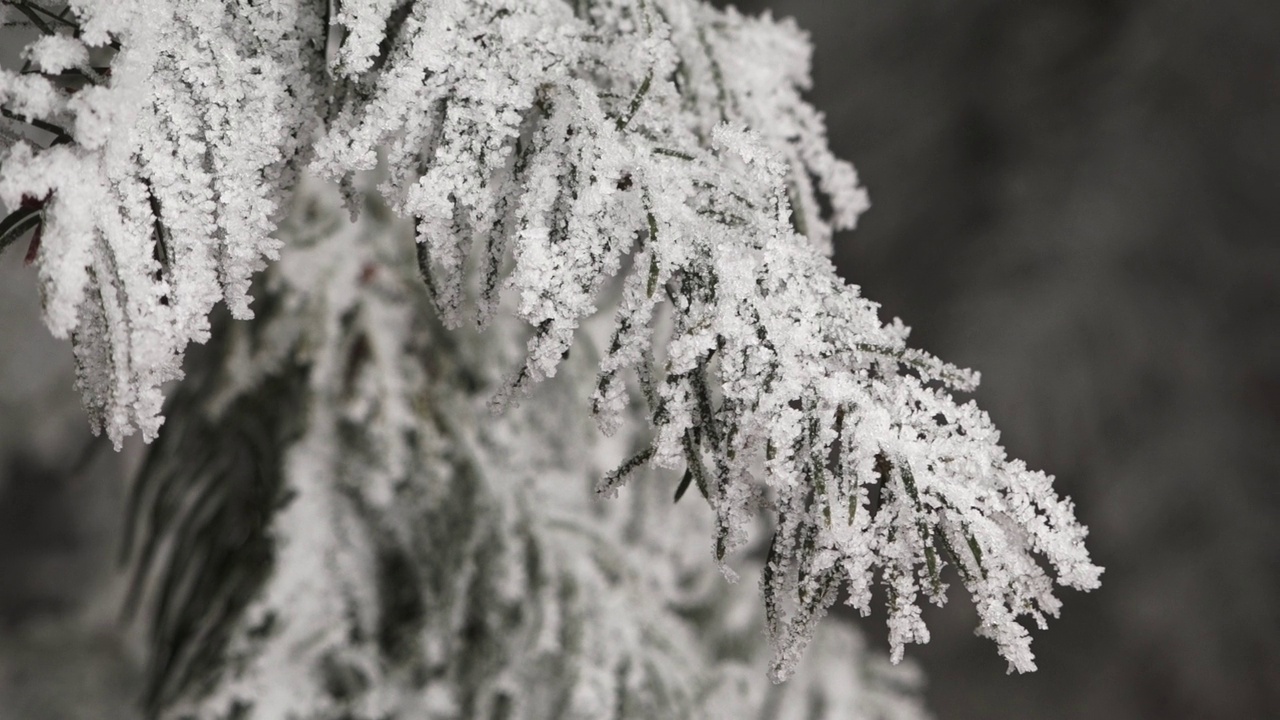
{"x":650,"y":157}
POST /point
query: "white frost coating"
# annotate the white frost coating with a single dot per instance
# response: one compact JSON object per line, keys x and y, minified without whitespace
{"x":667,"y":144}
{"x":55,"y":53}
{"x":651,"y":159}
{"x":29,"y":96}
{"x":480,"y":577}
{"x":159,"y":192}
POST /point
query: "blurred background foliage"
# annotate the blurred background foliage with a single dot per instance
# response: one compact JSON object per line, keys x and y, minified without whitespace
{"x":1080,"y":198}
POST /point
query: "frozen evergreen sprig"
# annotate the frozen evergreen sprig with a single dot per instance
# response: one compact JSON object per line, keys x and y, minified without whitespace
{"x":168,"y":135}
{"x":356,"y":543}
{"x":651,"y":159}
{"x":663,"y":147}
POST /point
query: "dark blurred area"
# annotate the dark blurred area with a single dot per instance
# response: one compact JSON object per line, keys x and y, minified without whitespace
{"x":1080,"y":198}
{"x":64,"y":655}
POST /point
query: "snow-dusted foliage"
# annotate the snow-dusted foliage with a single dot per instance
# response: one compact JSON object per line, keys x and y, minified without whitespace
{"x":154,"y":189}
{"x":360,"y":542}
{"x":663,"y":143}
{"x":640,"y":176}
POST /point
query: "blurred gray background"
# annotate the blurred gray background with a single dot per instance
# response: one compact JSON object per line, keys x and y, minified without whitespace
{"x":1080,"y":198}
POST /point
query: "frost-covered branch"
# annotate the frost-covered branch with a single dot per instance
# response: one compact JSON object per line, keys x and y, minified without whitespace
{"x":666,"y":144}
{"x":347,"y":538}
{"x":158,"y":194}
{"x":648,"y":160}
